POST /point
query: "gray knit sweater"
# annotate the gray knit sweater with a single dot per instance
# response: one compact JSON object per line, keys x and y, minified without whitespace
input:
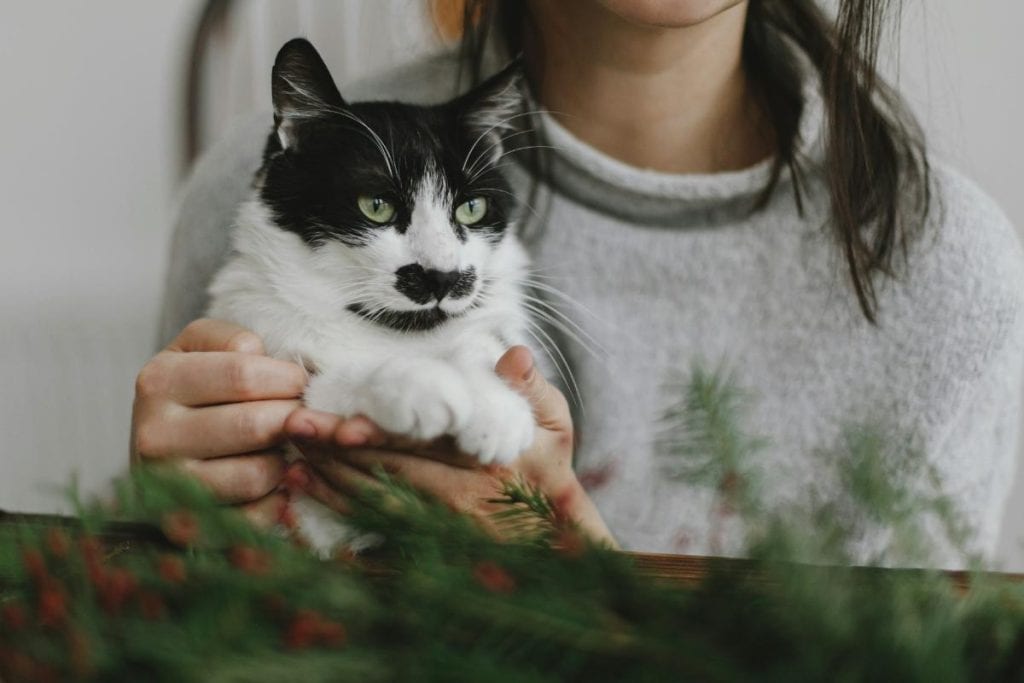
{"x":668,"y":269}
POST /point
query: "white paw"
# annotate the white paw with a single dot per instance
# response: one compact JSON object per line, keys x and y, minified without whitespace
{"x":325,"y":531}
{"x":420,"y":398}
{"x":331,"y":394}
{"x":502,"y":426}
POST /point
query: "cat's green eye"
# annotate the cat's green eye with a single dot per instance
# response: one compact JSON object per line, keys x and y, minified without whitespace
{"x":471,"y":211}
{"x":376,"y":209}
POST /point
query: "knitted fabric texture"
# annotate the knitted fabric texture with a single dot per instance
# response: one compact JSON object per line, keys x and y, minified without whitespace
{"x":668,"y":269}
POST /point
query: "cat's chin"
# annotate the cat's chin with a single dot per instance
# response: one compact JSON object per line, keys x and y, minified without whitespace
{"x":419,"y":320}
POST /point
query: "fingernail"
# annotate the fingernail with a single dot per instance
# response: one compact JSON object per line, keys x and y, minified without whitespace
{"x":305,"y":430}
{"x":528,"y":375}
{"x":356,"y":433}
{"x":296,"y":477}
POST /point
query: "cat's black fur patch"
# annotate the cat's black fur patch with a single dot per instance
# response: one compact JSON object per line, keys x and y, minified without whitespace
{"x":421,"y":286}
{"x":405,"y":321}
{"x":311,"y":186}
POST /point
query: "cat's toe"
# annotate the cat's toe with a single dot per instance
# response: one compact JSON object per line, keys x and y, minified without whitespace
{"x":501,"y":429}
{"x":423,"y":402}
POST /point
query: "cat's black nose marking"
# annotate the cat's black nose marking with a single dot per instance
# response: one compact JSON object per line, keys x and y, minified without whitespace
{"x":440,"y":282}
{"x":424,"y":285}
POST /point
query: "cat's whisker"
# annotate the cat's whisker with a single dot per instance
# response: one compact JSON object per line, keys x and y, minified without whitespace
{"x":559,"y":361}
{"x":497,"y":144}
{"x":554,"y":291}
{"x":318,"y":105}
{"x":388,"y":159}
{"x":494,"y":164}
{"x":568,"y":326}
{"x":556,"y":326}
{"x":497,"y":124}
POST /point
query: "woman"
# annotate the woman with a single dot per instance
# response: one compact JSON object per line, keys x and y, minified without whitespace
{"x":729,"y":181}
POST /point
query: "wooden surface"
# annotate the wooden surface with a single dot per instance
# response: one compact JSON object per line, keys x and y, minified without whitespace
{"x":691,"y":569}
{"x":687,"y":570}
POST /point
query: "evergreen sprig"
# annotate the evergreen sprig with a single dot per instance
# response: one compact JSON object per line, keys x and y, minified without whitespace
{"x":440,"y":599}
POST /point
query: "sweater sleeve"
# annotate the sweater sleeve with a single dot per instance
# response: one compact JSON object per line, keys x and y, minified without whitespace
{"x":977,"y":268}
{"x":978,"y":453}
{"x":206,"y":208}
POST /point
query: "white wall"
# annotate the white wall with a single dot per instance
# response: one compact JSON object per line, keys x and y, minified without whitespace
{"x":88,"y":160}
{"x":88,"y":110}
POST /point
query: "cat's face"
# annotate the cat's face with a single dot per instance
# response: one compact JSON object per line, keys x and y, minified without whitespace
{"x":403,"y":205}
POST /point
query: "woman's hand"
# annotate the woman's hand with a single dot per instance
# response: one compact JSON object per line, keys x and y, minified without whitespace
{"x":214,"y":404}
{"x":345,"y":452}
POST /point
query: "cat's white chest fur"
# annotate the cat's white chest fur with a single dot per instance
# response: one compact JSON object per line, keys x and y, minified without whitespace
{"x":423,"y":384}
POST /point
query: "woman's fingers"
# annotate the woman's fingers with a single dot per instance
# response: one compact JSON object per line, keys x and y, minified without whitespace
{"x":316,"y":426}
{"x":550,"y":408}
{"x":214,"y":431}
{"x":318,"y":488}
{"x":267,"y":511}
{"x":342,"y":476}
{"x":309,"y":427}
{"x":435,"y":477}
{"x":239,"y":478}
{"x":207,"y":334}
{"x":197,"y":379}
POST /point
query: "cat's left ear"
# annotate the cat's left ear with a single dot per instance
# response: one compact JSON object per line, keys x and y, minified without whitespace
{"x":490,"y":110}
{"x":302,"y":89}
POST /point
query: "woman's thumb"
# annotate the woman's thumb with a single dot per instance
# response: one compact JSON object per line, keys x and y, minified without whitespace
{"x":518,"y":369}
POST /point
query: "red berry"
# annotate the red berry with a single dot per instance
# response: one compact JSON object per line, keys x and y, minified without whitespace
{"x":180,"y":527}
{"x":52,"y":606}
{"x":35,"y":564}
{"x":92,"y":556}
{"x":92,"y":550}
{"x":302,"y":631}
{"x":58,"y":543}
{"x":97,"y":576}
{"x":14,"y":616}
{"x":172,"y":569}
{"x":250,"y":560}
{"x":117,"y":589}
{"x":493,"y":577}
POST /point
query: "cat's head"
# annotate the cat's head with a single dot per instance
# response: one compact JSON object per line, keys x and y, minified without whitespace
{"x":404,"y":205}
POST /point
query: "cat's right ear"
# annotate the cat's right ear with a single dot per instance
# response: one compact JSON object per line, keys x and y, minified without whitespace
{"x":302,"y":89}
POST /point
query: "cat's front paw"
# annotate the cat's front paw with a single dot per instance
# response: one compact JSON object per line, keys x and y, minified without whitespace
{"x":420,"y":398}
{"x":502,"y":426}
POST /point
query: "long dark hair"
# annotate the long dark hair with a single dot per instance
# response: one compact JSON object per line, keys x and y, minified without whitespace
{"x":875,"y":165}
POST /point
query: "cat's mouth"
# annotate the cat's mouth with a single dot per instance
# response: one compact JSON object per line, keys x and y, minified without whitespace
{"x":419,"y":320}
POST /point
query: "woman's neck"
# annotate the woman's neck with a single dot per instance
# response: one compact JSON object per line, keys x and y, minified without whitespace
{"x":670,"y":99}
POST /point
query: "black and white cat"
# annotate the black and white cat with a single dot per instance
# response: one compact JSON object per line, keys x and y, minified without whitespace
{"x":378,"y":250}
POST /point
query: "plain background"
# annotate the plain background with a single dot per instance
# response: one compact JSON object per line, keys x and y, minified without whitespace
{"x":89,"y":149}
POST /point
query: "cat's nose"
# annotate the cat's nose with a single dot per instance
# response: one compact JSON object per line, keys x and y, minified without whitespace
{"x":424,"y":285}
{"x":439,"y":282}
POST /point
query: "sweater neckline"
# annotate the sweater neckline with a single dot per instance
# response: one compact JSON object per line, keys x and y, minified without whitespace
{"x":602,"y":183}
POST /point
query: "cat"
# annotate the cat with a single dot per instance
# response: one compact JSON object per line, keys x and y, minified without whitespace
{"x":378,"y":249}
